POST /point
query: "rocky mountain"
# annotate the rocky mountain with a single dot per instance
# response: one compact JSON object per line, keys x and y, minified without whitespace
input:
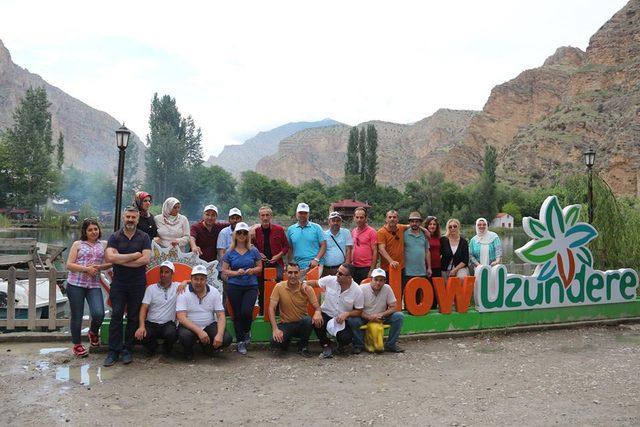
{"x":541,"y":122}
{"x":89,"y":134}
{"x":239,"y":158}
{"x":404,"y":151}
{"x":544,"y":119}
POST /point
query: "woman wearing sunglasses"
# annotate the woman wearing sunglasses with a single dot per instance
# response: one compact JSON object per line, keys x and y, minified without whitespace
{"x":242,"y":264}
{"x":455,"y":252}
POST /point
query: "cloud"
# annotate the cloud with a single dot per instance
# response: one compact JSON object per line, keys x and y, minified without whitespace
{"x":242,"y":67}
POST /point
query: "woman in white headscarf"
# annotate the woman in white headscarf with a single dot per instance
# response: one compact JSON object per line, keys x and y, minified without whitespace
{"x":485,"y":248}
{"x":173,"y":228}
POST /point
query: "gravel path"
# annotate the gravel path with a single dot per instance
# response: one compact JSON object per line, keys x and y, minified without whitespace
{"x":587,"y":376}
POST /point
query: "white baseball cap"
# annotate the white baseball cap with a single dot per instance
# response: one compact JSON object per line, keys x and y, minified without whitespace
{"x":169,"y":265}
{"x":242,"y":226}
{"x":334,"y":327}
{"x":378,"y":272}
{"x":302,"y":207}
{"x":235,"y":211}
{"x":335,"y":214}
{"x":199,"y":269}
{"x":210,"y":208}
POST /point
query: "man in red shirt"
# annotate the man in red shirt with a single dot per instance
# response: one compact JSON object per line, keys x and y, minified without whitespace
{"x":271,"y":241}
{"x":204,"y":234}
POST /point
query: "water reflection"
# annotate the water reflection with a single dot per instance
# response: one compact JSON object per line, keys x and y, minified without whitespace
{"x":84,"y":374}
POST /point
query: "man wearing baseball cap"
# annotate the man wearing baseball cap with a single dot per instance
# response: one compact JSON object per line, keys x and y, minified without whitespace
{"x":158,"y":312}
{"x":417,"y":261}
{"x":306,"y":240}
{"x":339,"y":245}
{"x":380,"y":306}
{"x":200,"y":315}
{"x":204,"y":233}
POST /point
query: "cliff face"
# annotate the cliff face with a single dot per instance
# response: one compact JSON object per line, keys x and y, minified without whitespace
{"x":239,"y":158}
{"x":404,"y":151}
{"x":89,"y":134}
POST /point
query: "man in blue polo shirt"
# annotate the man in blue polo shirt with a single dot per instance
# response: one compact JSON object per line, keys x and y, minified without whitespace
{"x":339,"y":246}
{"x":129,"y":250}
{"x":306,"y":240}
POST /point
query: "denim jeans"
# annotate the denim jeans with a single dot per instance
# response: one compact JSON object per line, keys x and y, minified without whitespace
{"x":344,"y":337}
{"x":300,"y":329}
{"x":188,"y":338}
{"x":395,"y":320}
{"x":77,"y":295}
{"x":242,"y":299}
{"x":123,"y":296}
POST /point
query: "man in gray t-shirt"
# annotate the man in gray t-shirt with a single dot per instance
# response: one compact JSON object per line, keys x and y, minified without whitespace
{"x":380,"y":306}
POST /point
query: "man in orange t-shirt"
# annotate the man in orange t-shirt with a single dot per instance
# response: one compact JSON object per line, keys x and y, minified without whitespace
{"x":391,"y":242}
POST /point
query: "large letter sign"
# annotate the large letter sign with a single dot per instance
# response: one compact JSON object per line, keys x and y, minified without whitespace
{"x":564,"y":275}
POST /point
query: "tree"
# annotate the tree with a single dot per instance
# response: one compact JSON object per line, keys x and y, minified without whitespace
{"x":352,"y":165}
{"x":256,"y":189}
{"x":362,"y":153}
{"x":485,"y":199}
{"x":514,"y":210}
{"x":60,"y":151}
{"x":174,"y":146}
{"x":203,"y":185}
{"x":29,"y":149}
{"x":370,"y":167}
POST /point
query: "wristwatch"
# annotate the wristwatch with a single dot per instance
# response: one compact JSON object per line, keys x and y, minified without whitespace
{"x":316,"y":260}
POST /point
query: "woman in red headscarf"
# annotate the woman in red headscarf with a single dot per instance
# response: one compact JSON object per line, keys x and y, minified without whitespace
{"x":146,"y":222}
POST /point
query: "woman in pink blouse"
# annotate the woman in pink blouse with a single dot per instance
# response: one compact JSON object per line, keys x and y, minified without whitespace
{"x":86,"y":259}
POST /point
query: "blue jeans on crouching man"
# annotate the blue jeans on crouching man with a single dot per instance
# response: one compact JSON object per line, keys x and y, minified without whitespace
{"x":395,"y":320}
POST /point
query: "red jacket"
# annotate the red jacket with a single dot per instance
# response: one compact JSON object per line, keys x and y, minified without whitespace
{"x":277,"y":240}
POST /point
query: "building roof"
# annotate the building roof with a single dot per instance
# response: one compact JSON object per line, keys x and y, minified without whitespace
{"x":502,"y":215}
{"x":349,"y":203}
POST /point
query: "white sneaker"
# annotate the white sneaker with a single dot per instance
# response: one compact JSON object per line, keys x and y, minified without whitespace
{"x":242,"y":347}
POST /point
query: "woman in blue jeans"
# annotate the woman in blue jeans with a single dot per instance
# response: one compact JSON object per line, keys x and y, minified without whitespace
{"x":242,"y":264}
{"x":86,"y":259}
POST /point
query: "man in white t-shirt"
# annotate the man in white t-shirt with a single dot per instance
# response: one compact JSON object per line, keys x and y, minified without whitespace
{"x":343,"y":302}
{"x":201,"y":316}
{"x":380,"y":306}
{"x":158,"y":312}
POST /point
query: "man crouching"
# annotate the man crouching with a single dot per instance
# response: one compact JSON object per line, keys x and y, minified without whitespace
{"x":195,"y":310}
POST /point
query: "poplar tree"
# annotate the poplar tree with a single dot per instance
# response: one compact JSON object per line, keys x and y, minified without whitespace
{"x":352,"y":165}
{"x":60,"y":151}
{"x":371,"y":157}
{"x":486,"y":192}
{"x":362,"y":153}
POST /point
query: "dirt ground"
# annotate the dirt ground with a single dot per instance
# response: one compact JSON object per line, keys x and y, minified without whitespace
{"x":587,"y":376}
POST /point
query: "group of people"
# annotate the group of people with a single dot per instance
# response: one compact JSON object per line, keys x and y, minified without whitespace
{"x":345,"y":258}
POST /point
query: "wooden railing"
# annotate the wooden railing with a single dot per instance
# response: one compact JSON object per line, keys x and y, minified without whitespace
{"x":32,"y":322}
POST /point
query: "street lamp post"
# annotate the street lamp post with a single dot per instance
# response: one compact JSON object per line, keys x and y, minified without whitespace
{"x":122,"y":140}
{"x":589,"y":160}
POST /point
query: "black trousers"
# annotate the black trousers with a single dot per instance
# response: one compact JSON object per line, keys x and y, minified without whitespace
{"x":360,"y":273}
{"x":188,"y":338}
{"x":344,"y":337}
{"x":166,"y":331}
{"x":300,"y":330}
{"x":130,"y":296}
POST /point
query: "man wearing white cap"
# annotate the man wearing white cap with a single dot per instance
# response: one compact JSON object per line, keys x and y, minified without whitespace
{"x":201,"y":315}
{"x":224,"y":238}
{"x":204,"y":233}
{"x":306,"y":240}
{"x":339,"y":245}
{"x":380,"y":306}
{"x":158,"y":312}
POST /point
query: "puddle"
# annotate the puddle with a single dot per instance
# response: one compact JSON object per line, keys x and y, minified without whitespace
{"x":45,"y":351}
{"x":83,"y":375}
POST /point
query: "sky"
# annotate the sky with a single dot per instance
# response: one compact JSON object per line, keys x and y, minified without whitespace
{"x":243,"y":67}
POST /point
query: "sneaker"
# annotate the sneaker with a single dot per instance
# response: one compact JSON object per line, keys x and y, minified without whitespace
{"x":356,"y":350}
{"x":94,"y":339}
{"x":242,"y":348}
{"x":394,"y":349}
{"x":111,"y":359}
{"x":80,"y":351}
{"x":326,"y":353}
{"x":341,"y":349}
{"x":127,"y":357}
{"x":304,"y":352}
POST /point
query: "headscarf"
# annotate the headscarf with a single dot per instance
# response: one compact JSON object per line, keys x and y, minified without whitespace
{"x":167,"y":207}
{"x":140,"y":196}
{"x":487,"y":236}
